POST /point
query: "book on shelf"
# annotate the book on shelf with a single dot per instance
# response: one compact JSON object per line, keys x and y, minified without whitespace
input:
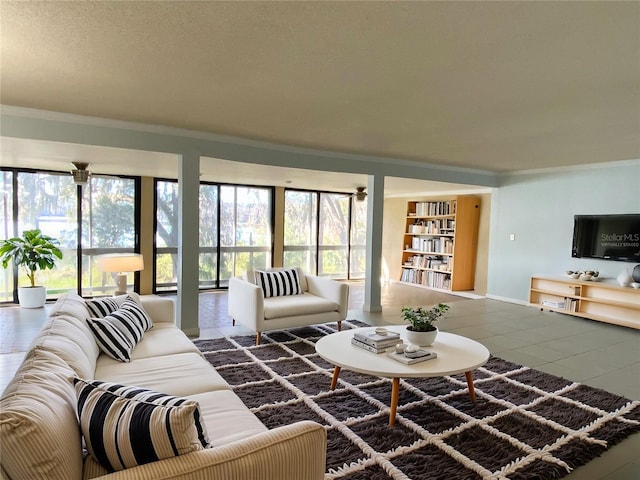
{"x":402,"y":358}
{"x":371,"y":348}
{"x":553,"y":304}
{"x":376,"y":340}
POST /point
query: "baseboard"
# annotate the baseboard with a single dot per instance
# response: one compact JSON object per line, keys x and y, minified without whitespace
{"x":508,"y":300}
{"x":459,"y":293}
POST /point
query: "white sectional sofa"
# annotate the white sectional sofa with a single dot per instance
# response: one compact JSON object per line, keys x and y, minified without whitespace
{"x":39,"y":430}
{"x":320,"y":300}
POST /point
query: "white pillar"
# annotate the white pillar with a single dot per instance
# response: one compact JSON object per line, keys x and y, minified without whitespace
{"x":188,"y":242}
{"x":375,"y":207}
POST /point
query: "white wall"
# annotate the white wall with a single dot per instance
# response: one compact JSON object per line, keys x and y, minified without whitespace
{"x":539,"y":209}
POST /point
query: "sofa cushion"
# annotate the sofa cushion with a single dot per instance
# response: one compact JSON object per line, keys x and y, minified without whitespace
{"x":278,"y":283}
{"x":38,"y":425}
{"x":180,"y":374}
{"x":305,"y":304}
{"x":227,"y":419}
{"x":71,"y":339}
{"x":126,"y":426}
{"x":163,"y":339}
{"x":70,"y":303}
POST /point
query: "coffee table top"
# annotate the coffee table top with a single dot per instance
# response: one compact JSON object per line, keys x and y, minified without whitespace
{"x":456,"y":354}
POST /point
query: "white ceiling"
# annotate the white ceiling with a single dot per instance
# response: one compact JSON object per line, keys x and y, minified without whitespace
{"x":497,"y":86}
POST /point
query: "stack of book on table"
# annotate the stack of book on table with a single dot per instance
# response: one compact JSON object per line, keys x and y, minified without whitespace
{"x":374,"y":342}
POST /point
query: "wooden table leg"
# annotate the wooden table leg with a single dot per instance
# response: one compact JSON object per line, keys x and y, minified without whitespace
{"x":472,"y":391}
{"x":334,"y":380}
{"x":395,"y":393}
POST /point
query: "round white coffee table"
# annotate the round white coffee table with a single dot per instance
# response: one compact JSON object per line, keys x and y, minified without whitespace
{"x":456,"y":354}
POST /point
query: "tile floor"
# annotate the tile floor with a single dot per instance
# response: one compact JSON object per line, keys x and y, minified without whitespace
{"x":597,"y":354}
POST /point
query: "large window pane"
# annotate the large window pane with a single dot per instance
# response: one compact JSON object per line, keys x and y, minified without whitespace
{"x":300,"y":230}
{"x":108,"y":226}
{"x":357,"y":254}
{"x":166,"y":268}
{"x":324,"y":236}
{"x":49,"y":202}
{"x":208,"y":261}
{"x":334,"y":235}
{"x":245,"y":230}
{"x":6,"y":211}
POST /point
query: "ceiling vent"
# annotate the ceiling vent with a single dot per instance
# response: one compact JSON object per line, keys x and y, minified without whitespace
{"x":80,"y":174}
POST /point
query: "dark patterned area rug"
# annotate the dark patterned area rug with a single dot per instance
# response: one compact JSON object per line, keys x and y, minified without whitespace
{"x":526,"y":424}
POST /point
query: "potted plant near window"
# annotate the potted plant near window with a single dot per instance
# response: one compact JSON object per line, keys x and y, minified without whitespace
{"x":422,"y":330}
{"x":33,"y":251}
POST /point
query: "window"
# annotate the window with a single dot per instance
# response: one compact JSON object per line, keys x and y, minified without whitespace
{"x":235,"y":232}
{"x":358,"y":240}
{"x":108,"y":226}
{"x":101,"y":217}
{"x":333,"y":235}
{"x":245,"y":230}
{"x":166,"y":236}
{"x":325,"y":233}
{"x":300,"y":230}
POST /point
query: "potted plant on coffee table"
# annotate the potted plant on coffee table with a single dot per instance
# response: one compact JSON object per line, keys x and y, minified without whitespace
{"x":33,"y":251}
{"x":422,"y":328}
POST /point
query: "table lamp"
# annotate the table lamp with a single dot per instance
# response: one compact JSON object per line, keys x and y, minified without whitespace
{"x":120,"y":263}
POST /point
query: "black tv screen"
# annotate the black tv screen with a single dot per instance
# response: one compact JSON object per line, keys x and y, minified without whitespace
{"x":608,"y":237}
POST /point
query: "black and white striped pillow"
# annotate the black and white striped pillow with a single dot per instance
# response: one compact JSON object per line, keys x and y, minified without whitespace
{"x":101,"y":307}
{"x":134,"y":312}
{"x":119,"y":332}
{"x":128,"y":426}
{"x":114,"y":338}
{"x":279,"y":283}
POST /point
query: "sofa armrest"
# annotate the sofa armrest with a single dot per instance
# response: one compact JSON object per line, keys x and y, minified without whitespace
{"x":245,"y":303}
{"x":297,"y":451}
{"x":161,"y":310}
{"x":332,"y":290}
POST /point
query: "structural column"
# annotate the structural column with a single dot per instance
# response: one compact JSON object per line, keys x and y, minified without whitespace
{"x":375,"y":207}
{"x":188,"y":242}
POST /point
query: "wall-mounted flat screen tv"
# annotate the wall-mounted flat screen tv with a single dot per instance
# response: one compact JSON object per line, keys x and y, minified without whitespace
{"x":607,"y":237}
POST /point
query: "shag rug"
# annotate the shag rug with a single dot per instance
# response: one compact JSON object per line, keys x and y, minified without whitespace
{"x":526,"y":424}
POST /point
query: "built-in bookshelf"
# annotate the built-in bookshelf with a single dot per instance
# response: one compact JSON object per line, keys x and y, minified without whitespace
{"x":440,"y":243}
{"x":600,"y":300}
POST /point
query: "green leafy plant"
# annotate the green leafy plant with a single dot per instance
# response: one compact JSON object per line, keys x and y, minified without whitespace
{"x":33,"y":251}
{"x":423,"y":319}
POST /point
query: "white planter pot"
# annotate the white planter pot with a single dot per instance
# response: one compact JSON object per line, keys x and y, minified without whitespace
{"x":32,"y":297}
{"x":423,"y":339}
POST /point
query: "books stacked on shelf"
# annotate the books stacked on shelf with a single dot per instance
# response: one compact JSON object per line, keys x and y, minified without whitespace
{"x":441,"y":226}
{"x":432,"y":262}
{"x":553,"y":304}
{"x":374,"y":342}
{"x":424,"y":209}
{"x":568,"y":304}
{"x":426,"y":278}
{"x":435,"y":245}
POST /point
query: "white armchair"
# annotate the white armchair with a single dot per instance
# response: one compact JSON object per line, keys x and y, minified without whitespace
{"x":322,"y":300}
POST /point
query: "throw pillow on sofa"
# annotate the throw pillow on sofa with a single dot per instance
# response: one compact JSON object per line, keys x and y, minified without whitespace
{"x":278,"y":283}
{"x":120,"y":331}
{"x":103,"y":306}
{"x":125,"y":426}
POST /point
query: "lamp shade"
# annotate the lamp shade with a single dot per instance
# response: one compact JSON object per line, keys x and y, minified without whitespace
{"x":120,"y":262}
